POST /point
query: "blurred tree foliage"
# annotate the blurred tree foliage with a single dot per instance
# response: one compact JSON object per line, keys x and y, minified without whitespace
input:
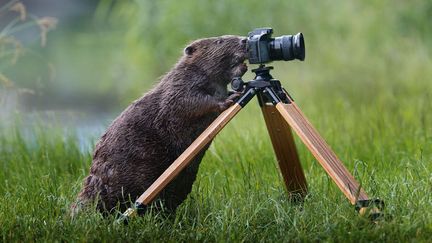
{"x":346,"y":41}
{"x":353,"y":46}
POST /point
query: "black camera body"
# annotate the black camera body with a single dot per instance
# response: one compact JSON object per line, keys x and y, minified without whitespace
{"x":262,"y":48}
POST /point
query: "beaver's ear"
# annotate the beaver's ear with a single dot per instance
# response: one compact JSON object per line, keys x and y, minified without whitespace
{"x":189,"y":50}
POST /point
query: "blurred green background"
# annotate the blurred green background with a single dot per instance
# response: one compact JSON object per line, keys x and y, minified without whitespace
{"x":103,"y":54}
{"x":68,"y":68}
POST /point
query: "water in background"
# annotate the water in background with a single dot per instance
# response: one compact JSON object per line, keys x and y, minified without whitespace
{"x":85,"y":126}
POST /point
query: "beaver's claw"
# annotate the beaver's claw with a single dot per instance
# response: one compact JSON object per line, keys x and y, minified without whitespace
{"x":229,"y":101}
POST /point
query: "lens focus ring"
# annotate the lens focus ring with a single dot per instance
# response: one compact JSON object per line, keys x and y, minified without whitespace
{"x":287,"y":48}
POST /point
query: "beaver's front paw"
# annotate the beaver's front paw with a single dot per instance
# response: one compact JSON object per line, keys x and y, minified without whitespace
{"x":225,"y":105}
{"x":234,"y":96}
{"x":228,"y":102}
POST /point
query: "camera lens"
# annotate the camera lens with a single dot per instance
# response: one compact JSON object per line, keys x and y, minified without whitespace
{"x":288,"y":47}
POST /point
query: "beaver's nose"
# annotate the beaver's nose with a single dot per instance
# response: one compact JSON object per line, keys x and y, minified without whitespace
{"x":243,"y":40}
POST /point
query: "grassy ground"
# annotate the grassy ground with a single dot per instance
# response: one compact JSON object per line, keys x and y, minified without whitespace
{"x":383,"y":138}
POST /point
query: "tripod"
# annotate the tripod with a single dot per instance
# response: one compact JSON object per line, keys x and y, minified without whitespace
{"x":280,"y":113}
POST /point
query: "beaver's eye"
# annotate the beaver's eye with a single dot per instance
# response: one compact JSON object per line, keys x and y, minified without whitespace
{"x":219,"y":41}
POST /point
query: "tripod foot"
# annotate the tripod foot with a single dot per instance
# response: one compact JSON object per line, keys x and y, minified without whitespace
{"x":138,"y":209}
{"x":372,"y":208}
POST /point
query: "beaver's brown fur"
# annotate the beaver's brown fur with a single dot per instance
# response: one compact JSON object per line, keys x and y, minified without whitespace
{"x":155,"y":129}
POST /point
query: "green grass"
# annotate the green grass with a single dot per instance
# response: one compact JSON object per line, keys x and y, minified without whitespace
{"x":384,"y":140}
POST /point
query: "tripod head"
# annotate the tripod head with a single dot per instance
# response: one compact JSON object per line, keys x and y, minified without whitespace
{"x":262,"y":74}
{"x":267,"y":88}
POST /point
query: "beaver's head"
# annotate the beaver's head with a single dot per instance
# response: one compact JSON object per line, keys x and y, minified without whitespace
{"x":220,"y":58}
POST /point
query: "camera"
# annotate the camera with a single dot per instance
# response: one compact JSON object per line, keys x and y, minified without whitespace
{"x":262,"y":48}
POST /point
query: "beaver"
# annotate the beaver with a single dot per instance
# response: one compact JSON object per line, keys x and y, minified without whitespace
{"x":154,"y":130}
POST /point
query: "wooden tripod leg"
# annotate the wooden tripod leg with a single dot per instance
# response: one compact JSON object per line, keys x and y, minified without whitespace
{"x":182,"y":161}
{"x":286,"y":152}
{"x":322,"y":152}
{"x":186,"y":157}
